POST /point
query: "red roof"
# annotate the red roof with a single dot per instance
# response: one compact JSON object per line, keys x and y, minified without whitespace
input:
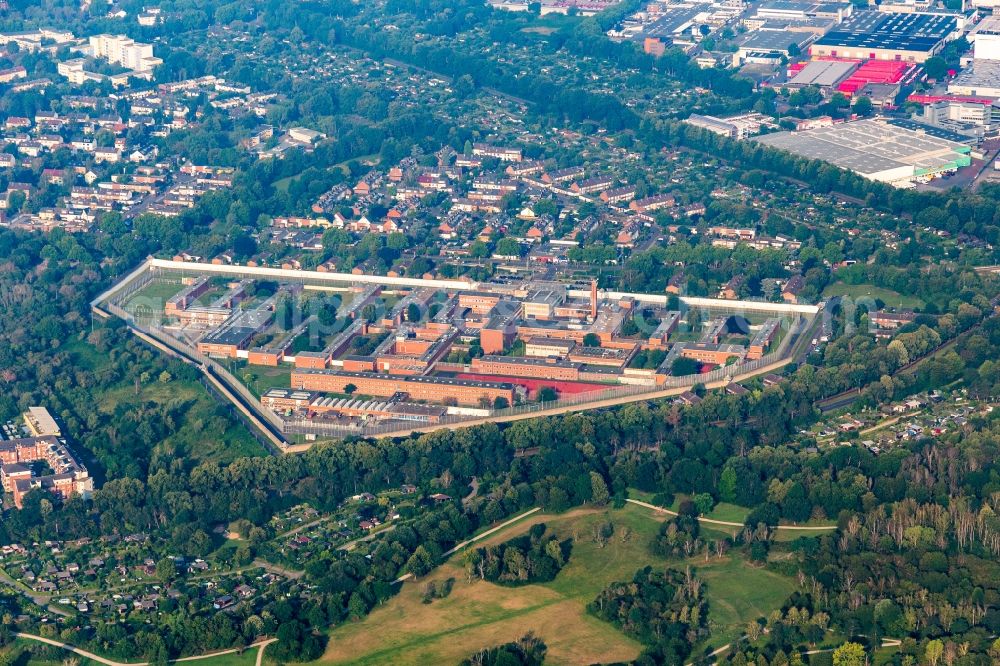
{"x":874,"y":71}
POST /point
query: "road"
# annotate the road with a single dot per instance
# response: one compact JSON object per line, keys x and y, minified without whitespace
{"x":726,"y":523}
{"x":149,"y":200}
{"x":349,"y":545}
{"x":963,"y":178}
{"x":886,"y":642}
{"x":277,"y":570}
{"x":40,"y":600}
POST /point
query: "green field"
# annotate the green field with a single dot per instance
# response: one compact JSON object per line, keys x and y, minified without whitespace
{"x":152,"y":298}
{"x":282,"y":184}
{"x":237,"y":442}
{"x":480,"y":614}
{"x":262,"y":378}
{"x":891,"y":298}
{"x":18,"y":652}
{"x":738,"y":593}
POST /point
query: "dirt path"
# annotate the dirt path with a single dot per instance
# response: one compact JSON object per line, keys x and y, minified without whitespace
{"x":110,"y":662}
{"x":490,"y":531}
{"x":260,"y":652}
{"x":349,"y":545}
{"x":726,"y":523}
{"x":478,"y":537}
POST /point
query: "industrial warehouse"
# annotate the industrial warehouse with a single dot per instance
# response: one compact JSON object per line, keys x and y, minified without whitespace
{"x":872,"y":35}
{"x":890,"y":151}
{"x":321,"y":350}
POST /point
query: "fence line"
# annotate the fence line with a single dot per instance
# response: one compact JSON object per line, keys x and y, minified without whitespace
{"x":213,"y":367}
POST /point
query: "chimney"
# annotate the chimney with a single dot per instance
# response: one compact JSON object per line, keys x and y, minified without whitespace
{"x":593,"y":299}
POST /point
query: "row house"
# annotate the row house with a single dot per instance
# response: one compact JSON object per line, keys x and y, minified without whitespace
{"x":8,"y":75}
{"x":490,"y":185}
{"x":591,"y":185}
{"x":562,"y":175}
{"x":468,"y":162}
{"x":54,"y":176}
{"x":138,"y":188}
{"x":618,"y":194}
{"x":406,"y":193}
{"x":433,"y":183}
{"x":17,"y":123}
{"x":528,"y":168}
{"x":648,"y":204}
{"x":468,"y":205}
{"x":31,"y":148}
{"x":34,"y":84}
{"x":503,"y":153}
{"x":733,"y":232}
{"x":107,"y":155}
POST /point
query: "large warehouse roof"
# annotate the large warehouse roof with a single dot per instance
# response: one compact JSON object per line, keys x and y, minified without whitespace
{"x":825,"y":73}
{"x":874,"y":148}
{"x":981,"y":78}
{"x":774,"y":40}
{"x":891,"y":31}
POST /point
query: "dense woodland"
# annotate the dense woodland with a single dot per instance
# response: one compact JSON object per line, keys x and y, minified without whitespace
{"x":665,"y":610}
{"x":535,"y":557}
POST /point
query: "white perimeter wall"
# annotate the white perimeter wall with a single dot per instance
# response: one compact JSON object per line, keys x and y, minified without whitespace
{"x":451,"y":285}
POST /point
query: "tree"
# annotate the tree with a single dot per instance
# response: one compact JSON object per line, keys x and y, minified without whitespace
{"x":727,"y":485}
{"x":994,"y":651}
{"x":935,"y":68}
{"x":15,"y":200}
{"x":863,"y":105}
{"x":683,"y":366}
{"x":932,"y":652}
{"x":166,"y":569}
{"x":350,"y":389}
{"x":704,"y":503}
{"x":508,"y":247}
{"x":795,"y":505}
{"x":413,"y":312}
{"x":890,"y":617}
{"x":850,"y":654}
{"x":547,"y":394}
{"x":420,"y":563}
{"x":479,"y":250}
{"x":598,"y":489}
{"x":592,"y":340}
